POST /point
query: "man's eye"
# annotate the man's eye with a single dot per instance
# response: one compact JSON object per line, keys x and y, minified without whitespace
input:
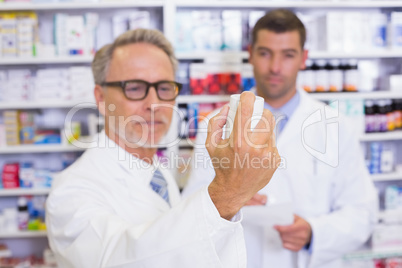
{"x":290,"y":56}
{"x":135,"y":87}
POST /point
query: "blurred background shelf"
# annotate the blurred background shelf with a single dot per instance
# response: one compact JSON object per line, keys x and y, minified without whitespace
{"x":289,"y":4}
{"x":386,"y":136}
{"x":394,"y":176}
{"x":46,"y":104}
{"x":79,"y":5}
{"x":203,"y":98}
{"x":44,"y":60}
{"x":357,"y":95}
{"x":370,"y":255}
{"x":24,"y":191}
{"x":23,"y":234}
{"x":42,"y":148}
{"x":193,"y":55}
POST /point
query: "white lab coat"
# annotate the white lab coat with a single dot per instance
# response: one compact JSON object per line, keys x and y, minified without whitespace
{"x":101,"y":212}
{"x":340,"y":202}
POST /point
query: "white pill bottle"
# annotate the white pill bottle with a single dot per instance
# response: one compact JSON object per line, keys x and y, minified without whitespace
{"x":234,"y":103}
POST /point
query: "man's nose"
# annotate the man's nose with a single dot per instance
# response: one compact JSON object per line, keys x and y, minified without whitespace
{"x":275,"y":64}
{"x":151,"y":99}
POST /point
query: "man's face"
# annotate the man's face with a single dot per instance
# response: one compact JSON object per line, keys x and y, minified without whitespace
{"x":142,"y":122}
{"x":276,"y":58}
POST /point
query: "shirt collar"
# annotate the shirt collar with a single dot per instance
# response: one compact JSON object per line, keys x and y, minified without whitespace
{"x":288,"y":108}
{"x":134,"y":166}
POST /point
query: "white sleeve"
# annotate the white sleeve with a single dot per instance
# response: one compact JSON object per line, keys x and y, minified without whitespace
{"x":354,"y":205}
{"x":84,"y":231}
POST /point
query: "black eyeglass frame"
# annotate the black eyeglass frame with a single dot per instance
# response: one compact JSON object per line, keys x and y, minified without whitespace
{"x":122,"y":85}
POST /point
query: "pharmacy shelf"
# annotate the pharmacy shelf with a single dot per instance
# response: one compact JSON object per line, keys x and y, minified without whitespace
{"x":43,"y":148}
{"x":79,"y":5}
{"x":194,"y":55}
{"x":91,"y":104}
{"x":46,"y":104}
{"x":381,"y":214}
{"x":371,"y":255}
{"x":394,"y":176}
{"x":385,"y":136}
{"x":319,"y":96}
{"x":355,"y":55}
{"x":202,"y":98}
{"x":396,"y":135}
{"x":46,"y":60}
{"x":216,"y":55}
{"x":356,"y":95}
{"x":23,"y":234}
{"x":24,"y":191}
{"x":288,"y":4}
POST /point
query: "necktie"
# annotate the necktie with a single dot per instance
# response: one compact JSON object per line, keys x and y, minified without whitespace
{"x":281,"y":120}
{"x":159,"y":185}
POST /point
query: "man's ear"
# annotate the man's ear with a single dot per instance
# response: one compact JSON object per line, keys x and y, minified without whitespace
{"x":99,"y":94}
{"x":305,"y":56}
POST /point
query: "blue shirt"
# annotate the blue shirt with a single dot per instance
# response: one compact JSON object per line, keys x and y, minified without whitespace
{"x":283,"y":114}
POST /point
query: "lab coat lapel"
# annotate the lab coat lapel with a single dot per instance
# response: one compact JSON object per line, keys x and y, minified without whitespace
{"x":146,"y":195}
{"x":295,"y":122}
{"x":280,"y":187}
{"x":136,"y":173}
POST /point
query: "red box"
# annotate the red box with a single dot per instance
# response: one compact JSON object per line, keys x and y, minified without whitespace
{"x":11,"y":168}
{"x":232,"y":83}
{"x":197,"y":86}
{"x":214,"y":84}
{"x":10,"y":176}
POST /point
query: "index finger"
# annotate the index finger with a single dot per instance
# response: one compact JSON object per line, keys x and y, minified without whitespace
{"x":263,"y":134}
{"x":215,"y":127}
{"x":243,"y":116}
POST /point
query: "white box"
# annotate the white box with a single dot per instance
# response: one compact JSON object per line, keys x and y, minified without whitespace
{"x":395,"y":81}
{"x":378,"y":24}
{"x":352,"y":35}
{"x":75,"y":35}
{"x":330,"y":32}
{"x":139,"y":19}
{"x":232,"y":29}
{"x":387,"y":238}
{"x":201,"y":30}
{"x":395,"y":33}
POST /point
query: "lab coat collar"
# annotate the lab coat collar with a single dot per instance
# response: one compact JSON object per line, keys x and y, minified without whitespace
{"x":140,"y":170}
{"x":297,"y":117}
{"x":305,"y":108}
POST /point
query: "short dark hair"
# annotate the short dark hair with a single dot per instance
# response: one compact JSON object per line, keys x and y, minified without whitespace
{"x":280,"y":21}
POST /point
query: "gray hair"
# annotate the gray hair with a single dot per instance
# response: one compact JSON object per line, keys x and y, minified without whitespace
{"x":100,"y":64}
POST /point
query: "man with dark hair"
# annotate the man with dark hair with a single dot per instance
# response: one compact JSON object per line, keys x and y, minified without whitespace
{"x":322,"y":175}
{"x":280,"y":21}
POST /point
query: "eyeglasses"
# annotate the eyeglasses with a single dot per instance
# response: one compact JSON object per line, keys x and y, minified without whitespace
{"x":138,"y":89}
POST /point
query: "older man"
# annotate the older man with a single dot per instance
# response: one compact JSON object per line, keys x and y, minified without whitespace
{"x":115,"y":208}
